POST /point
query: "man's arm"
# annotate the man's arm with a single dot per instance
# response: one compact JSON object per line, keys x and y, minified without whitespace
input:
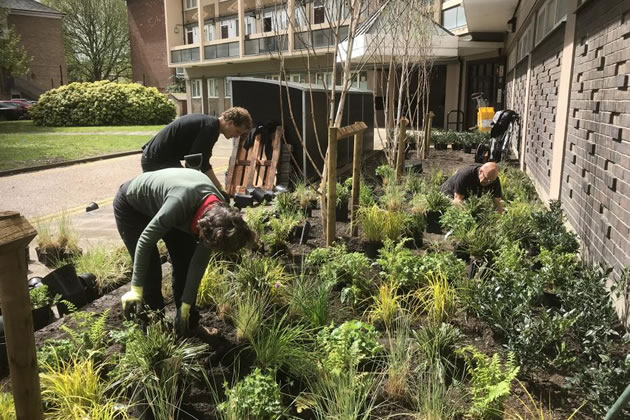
{"x":210,"y":173}
{"x":458,"y":199}
{"x":498,"y":204}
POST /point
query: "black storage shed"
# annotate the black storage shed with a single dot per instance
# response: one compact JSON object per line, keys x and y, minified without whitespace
{"x":303,"y":108}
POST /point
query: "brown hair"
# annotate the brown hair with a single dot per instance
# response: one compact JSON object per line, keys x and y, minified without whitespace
{"x":222,"y":228}
{"x":239,"y":116}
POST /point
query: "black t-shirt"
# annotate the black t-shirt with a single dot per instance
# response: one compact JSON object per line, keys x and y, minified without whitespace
{"x":187,"y":135}
{"x":466,"y":182}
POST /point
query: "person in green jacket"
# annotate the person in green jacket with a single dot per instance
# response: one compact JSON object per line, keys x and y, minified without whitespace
{"x":185,"y":209}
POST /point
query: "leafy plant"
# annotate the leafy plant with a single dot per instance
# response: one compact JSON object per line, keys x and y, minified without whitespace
{"x":386,"y":304}
{"x":102,"y":103}
{"x":395,"y":223}
{"x":393,"y":197}
{"x":214,"y":286}
{"x":7,"y":409}
{"x":308,"y":298}
{"x":337,"y":266}
{"x":435,"y":200}
{"x":344,"y":192}
{"x":437,"y":298}
{"x":517,"y":224}
{"x":58,"y":242}
{"x":305,"y":195}
{"x":414,"y":184}
{"x":346,"y":346}
{"x":256,"y":397}
{"x":372,"y":221}
{"x":257,"y":219}
{"x":260,"y":274}
{"x":399,"y":358}
{"x":157,"y":369}
{"x":248,"y":313}
{"x":621,"y":290}
{"x":286,"y":203}
{"x":281,"y":228}
{"x":401,"y":266}
{"x":491,"y":381}
{"x":280,"y":345}
{"x":75,"y":391}
{"x":458,"y":220}
{"x":111,"y":267}
{"x":39,"y":297}
{"x":550,"y":229}
{"x":366,"y":194}
{"x":437,"y":345}
{"x":386,"y":173}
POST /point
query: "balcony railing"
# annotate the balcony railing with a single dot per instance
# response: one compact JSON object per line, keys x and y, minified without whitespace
{"x":319,"y":38}
{"x":266,"y":45}
{"x":185,"y":56}
{"x":230,"y":49}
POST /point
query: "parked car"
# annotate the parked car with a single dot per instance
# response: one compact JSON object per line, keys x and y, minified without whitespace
{"x":9,"y":112}
{"x":22,"y":104}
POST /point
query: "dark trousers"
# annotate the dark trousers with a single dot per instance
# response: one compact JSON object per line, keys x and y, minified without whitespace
{"x":181,"y":246}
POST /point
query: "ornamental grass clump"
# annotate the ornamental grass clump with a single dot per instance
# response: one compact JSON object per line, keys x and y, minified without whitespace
{"x":111,"y":267}
{"x":308,"y":301}
{"x":372,"y":222}
{"x":60,"y":243}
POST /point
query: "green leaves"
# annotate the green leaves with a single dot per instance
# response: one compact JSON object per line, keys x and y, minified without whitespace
{"x":257,"y":396}
{"x":102,"y":103}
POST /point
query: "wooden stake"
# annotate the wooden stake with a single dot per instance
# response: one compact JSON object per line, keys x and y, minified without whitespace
{"x":356,"y":182}
{"x":331,"y":204}
{"x":402,"y":135}
{"x":15,"y":234}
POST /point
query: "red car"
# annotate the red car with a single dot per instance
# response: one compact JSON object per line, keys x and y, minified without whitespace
{"x":20,"y":103}
{"x":10,"y":112}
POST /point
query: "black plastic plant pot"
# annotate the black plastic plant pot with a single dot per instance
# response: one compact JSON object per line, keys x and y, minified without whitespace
{"x":42,"y":317}
{"x":300,"y":233}
{"x":473,"y":148}
{"x":551,"y":300}
{"x":467,"y":149}
{"x":461,"y":253}
{"x":65,"y":282}
{"x":433,"y":222}
{"x":78,"y":301}
{"x":416,"y":241}
{"x":243,"y":200}
{"x":52,"y":257}
{"x":371,"y":248}
{"x":258,"y":194}
{"x":456,"y":146}
{"x":413,"y":167}
{"x":341,"y":212}
{"x":88,"y":280}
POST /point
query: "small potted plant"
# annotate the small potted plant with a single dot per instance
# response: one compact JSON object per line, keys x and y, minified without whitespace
{"x":458,"y":140}
{"x":416,"y":223}
{"x":306,"y":196}
{"x":372,"y":222}
{"x":467,"y":142}
{"x":385,"y":174}
{"x":434,"y":203}
{"x":40,"y":306}
{"x":343,"y":198}
{"x":58,"y":246}
{"x":440,"y":140}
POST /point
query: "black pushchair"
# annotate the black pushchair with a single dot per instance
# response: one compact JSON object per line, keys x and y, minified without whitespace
{"x":506,"y":126}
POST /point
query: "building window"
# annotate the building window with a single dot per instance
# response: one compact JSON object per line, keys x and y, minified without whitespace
{"x":192,"y":34}
{"x":275,"y":20}
{"x":359,"y":80}
{"x":191,"y":4}
{"x":195,"y":88}
{"x":454,"y":17}
{"x":179,"y":72}
{"x":250,"y":25}
{"x":272,"y":77}
{"x":227,"y":88}
{"x":525,"y":44}
{"x":297,"y":78}
{"x":212,"y":88}
{"x":319,"y":11}
{"x":300,"y":16}
{"x":208,"y":28}
{"x":229,"y":28}
{"x":549,"y":16}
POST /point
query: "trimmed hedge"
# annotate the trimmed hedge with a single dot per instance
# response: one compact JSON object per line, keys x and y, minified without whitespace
{"x":102,"y":103}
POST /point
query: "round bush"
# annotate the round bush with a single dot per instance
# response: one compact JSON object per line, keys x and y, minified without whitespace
{"x":102,"y":103}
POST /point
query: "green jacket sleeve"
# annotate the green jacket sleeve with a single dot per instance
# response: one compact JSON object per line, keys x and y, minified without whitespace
{"x":169,"y":215}
{"x":196,"y":270}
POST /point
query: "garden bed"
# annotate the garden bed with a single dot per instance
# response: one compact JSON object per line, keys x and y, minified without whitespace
{"x":312,"y":332}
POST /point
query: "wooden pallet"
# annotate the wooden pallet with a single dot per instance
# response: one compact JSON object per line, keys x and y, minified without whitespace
{"x":250,"y":167}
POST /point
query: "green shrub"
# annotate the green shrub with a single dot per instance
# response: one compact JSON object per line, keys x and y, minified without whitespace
{"x":102,"y":103}
{"x":347,"y":345}
{"x":257,"y":396}
{"x":39,"y":297}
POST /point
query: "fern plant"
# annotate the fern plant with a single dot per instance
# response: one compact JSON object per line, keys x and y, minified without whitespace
{"x":491,"y":381}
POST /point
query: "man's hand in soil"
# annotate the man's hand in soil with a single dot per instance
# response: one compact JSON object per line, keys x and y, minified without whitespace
{"x":181,"y":320}
{"x":132,"y":302}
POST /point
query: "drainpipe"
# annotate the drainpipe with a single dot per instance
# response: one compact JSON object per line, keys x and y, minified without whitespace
{"x":459,"y":89}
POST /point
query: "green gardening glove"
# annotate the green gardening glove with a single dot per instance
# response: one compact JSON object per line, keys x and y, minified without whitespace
{"x":132,"y":302}
{"x":181,"y":320}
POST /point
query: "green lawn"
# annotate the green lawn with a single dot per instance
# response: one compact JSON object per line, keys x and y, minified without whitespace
{"x":23,"y":144}
{"x":7,"y":127}
{"x":24,"y":150}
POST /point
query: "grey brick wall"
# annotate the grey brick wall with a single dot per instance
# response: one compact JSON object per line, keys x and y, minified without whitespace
{"x":520,"y":86}
{"x":596,"y":171}
{"x":543,"y":100}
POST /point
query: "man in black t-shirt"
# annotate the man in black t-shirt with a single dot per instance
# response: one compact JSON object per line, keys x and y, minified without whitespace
{"x":191,"y":134}
{"x":475,"y":179}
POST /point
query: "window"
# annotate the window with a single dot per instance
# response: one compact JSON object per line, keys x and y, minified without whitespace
{"x":229,"y":28}
{"x":319,"y":12}
{"x":275,"y":20}
{"x":192,"y":34}
{"x":359,"y":80}
{"x":267,"y":26}
{"x":300,"y":16}
{"x":525,"y":44}
{"x":321,"y":77}
{"x":195,"y":87}
{"x":250,"y":25}
{"x":208,"y":28}
{"x":190,"y":4}
{"x":227,"y":88}
{"x":212,"y":88}
{"x":179,"y":72}
{"x":454,"y":17}
{"x":297,"y":78}
{"x":272,"y":77}
{"x":550,"y":15}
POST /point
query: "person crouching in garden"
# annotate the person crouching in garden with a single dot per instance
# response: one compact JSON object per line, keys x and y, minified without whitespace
{"x":185,"y":209}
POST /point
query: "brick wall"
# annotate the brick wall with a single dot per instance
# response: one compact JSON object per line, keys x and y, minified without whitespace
{"x":596,"y":171}
{"x":43,"y":39}
{"x":543,"y":100}
{"x":149,"y":60}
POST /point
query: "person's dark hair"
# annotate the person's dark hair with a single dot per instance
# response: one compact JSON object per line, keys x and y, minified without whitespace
{"x":222,"y":228}
{"x":239,"y":116}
